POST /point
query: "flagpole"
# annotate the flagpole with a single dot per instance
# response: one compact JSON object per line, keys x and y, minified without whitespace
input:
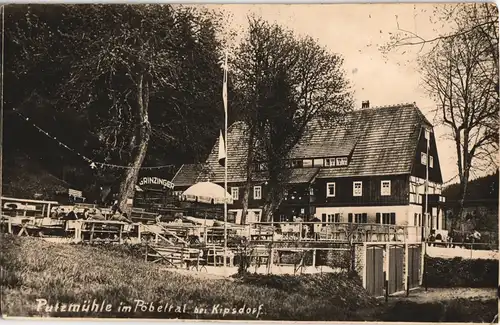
{"x":226,"y":160}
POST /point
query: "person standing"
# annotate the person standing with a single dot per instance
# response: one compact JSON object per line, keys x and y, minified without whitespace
{"x":115,"y":208}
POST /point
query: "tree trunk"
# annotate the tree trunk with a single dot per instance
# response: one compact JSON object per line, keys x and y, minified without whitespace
{"x":248,"y":184}
{"x":127,"y":186}
{"x":246,"y":194}
{"x":275,"y":199}
{"x":464,"y":181}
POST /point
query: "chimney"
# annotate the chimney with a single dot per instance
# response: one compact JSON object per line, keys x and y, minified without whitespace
{"x":365,"y":104}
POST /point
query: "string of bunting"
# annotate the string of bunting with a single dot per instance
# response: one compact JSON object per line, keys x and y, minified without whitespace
{"x":93,"y":164}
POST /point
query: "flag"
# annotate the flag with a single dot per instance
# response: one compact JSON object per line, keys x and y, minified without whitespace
{"x":222,"y":150}
{"x":224,"y":85}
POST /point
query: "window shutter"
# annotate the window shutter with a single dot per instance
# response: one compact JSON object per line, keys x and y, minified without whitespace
{"x":365,"y":218}
{"x":323,"y":217}
{"x":378,"y":217}
{"x":393,"y":218}
{"x":349,"y":216}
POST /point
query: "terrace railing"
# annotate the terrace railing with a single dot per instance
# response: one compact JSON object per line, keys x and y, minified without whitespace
{"x":26,"y":207}
{"x":332,"y":232}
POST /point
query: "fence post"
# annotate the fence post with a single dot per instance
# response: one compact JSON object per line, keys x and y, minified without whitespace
{"x":386,"y":285}
{"x":407,"y":264}
{"x":271,"y":259}
{"x":387,"y":267}
{"x":425,"y":273}
{"x":365,"y":252}
{"x":314,"y":258}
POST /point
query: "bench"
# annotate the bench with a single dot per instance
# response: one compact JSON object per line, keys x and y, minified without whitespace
{"x":176,"y":256}
{"x":258,"y":254}
{"x":217,"y":235}
{"x":215,"y":256}
{"x":297,"y":265}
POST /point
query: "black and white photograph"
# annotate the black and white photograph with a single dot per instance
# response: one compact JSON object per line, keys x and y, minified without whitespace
{"x":250,"y":162}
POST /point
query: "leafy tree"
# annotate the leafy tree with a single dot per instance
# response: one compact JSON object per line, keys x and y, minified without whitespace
{"x":131,"y":73}
{"x":287,"y":82}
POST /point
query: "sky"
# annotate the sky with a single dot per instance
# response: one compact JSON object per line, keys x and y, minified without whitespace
{"x":356,"y":31}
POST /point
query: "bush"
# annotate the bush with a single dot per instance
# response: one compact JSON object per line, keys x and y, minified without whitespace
{"x":458,"y":272}
{"x":344,"y":289}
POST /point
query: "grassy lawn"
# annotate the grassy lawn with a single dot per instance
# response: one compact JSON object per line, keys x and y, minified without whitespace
{"x":116,"y":275}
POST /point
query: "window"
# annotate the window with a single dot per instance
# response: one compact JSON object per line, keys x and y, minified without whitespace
{"x":387,"y":218}
{"x":329,"y":162}
{"x":358,"y":218}
{"x":296,"y":163}
{"x":423,"y":158}
{"x":416,"y":198}
{"x":235,"y":193}
{"x":431,"y":162}
{"x":342,"y":161}
{"x":318,"y":162}
{"x":333,"y":217}
{"x":330,"y":189}
{"x":311,"y":191}
{"x":307,"y":163}
{"x":257,"y":192}
{"x":385,"y":188}
{"x":357,"y":188}
{"x":413,"y":188}
{"x":260,"y":166}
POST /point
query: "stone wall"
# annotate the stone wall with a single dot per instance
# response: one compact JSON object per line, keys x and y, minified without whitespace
{"x":359,"y":260}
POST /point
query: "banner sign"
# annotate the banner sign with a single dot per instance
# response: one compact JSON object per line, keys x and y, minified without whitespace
{"x":75,"y":193}
{"x":156,"y":181}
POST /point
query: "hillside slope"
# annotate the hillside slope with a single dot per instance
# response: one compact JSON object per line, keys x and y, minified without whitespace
{"x":24,"y":177}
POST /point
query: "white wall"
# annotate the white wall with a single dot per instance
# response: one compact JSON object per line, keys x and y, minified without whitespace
{"x":401,"y":211}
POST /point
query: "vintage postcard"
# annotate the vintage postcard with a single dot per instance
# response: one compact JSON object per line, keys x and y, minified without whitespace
{"x":250,"y":162}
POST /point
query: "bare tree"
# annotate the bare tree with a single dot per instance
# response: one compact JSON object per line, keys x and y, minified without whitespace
{"x":288,"y":82}
{"x":480,"y":19}
{"x":462,"y":77}
{"x":460,"y":68}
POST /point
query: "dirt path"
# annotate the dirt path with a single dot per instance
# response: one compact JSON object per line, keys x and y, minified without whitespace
{"x":203,"y":274}
{"x":441,"y":294}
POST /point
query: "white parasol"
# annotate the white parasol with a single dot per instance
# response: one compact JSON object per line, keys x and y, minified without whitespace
{"x":206,"y":192}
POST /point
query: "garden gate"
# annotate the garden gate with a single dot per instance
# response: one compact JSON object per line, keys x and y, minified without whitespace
{"x":396,"y":269}
{"x":414,"y":265}
{"x":374,"y":270}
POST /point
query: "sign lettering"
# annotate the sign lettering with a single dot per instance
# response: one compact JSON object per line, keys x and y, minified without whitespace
{"x":156,"y":181}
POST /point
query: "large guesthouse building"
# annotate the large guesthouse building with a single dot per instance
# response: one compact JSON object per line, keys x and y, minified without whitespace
{"x":370,"y":167}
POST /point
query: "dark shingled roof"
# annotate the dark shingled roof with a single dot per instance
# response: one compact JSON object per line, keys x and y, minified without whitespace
{"x":187,"y":175}
{"x":379,"y":141}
